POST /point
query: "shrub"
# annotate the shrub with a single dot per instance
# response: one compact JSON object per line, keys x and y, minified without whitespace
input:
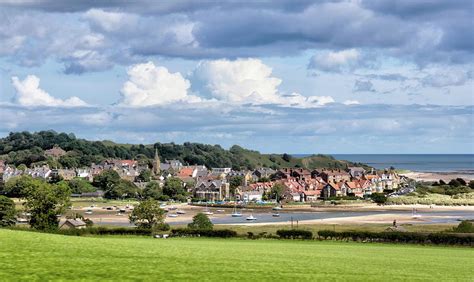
{"x":398,"y":237}
{"x":294,"y":234}
{"x":221,"y":233}
{"x":201,"y":221}
{"x":464,"y":227}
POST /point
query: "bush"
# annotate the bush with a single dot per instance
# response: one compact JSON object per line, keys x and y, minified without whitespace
{"x":221,"y":233}
{"x":379,"y":198}
{"x":294,"y":234}
{"x":464,"y":227}
{"x":201,"y":221}
{"x":398,"y":237}
{"x":162,"y":227}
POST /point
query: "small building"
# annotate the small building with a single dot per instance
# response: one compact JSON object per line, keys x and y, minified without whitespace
{"x":73,"y":224}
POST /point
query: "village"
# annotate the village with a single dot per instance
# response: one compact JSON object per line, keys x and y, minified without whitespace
{"x":219,"y":184}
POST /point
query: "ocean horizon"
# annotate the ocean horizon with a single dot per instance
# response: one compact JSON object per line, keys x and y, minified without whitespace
{"x":463,"y":163}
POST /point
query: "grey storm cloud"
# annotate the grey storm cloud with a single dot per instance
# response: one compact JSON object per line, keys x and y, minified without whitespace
{"x":424,"y":32}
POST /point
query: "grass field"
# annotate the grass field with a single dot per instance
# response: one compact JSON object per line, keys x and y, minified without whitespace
{"x":37,"y":256}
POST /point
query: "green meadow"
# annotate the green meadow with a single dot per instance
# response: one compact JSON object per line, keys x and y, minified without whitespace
{"x":38,"y":256}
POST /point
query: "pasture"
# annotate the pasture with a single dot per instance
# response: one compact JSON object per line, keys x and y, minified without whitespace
{"x":38,"y":256}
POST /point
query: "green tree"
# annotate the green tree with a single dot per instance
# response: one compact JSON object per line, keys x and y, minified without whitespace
{"x":174,"y":188}
{"x":22,"y":167}
{"x":286,"y":157}
{"x":106,"y":179}
{"x":7,"y":211}
{"x":379,"y":198}
{"x":152,"y":191}
{"x":80,"y":185}
{"x":471,"y":184}
{"x":454,"y":183}
{"x":235,"y":182}
{"x":277,"y":191}
{"x":144,"y":176}
{"x":122,"y":189}
{"x":17,"y":186}
{"x":201,"y":221}
{"x":147,"y":214}
{"x":45,"y":202}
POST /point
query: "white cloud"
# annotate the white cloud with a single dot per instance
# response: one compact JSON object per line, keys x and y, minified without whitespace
{"x":241,"y":81}
{"x":154,"y":85}
{"x":351,"y":102}
{"x":250,"y":81}
{"x":30,"y":94}
{"x":335,"y":61}
{"x":109,"y":21}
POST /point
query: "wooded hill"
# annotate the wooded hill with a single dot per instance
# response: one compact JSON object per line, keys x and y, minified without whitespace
{"x":28,"y":148}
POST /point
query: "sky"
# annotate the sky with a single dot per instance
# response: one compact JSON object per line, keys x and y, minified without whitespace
{"x":275,"y":76}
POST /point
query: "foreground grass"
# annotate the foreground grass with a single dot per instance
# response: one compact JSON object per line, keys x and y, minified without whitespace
{"x":37,"y":256}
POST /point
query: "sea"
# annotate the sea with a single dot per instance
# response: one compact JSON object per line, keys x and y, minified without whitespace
{"x":462,"y":163}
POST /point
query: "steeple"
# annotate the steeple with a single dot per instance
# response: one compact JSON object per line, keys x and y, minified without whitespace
{"x":156,"y":163}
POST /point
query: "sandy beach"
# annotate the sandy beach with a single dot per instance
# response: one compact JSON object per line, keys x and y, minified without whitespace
{"x":436,"y":176}
{"x":382,"y":214}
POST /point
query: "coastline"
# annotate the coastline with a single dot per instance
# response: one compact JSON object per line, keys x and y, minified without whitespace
{"x":436,"y":176}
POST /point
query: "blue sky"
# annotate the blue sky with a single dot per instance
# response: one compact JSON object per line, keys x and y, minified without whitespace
{"x":275,"y":76}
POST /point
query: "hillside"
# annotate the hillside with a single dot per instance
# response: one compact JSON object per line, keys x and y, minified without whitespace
{"x":48,"y":257}
{"x":28,"y":148}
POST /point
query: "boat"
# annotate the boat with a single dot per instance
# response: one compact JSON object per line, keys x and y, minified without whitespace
{"x":172,"y":215}
{"x":220,"y":210}
{"x":88,"y":212}
{"x":276,"y":214}
{"x":276,"y":208}
{"x":180,"y":212}
{"x":207,"y":211}
{"x":236,"y":213}
{"x":251,"y":217}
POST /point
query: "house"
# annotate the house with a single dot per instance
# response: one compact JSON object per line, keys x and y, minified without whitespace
{"x":224,"y":170}
{"x":300,"y":173}
{"x":351,"y":188}
{"x":330,"y":190}
{"x":310,"y":195}
{"x":211,"y":190}
{"x":356,"y":171}
{"x":73,"y":224}
{"x":250,"y":196}
{"x":263,"y":172}
{"x":54,"y":152}
{"x":171,"y":165}
{"x":66,"y":174}
{"x":334,"y":175}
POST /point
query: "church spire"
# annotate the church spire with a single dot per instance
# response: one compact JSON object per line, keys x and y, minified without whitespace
{"x":156,"y":163}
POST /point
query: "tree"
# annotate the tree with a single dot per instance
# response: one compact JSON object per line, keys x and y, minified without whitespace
{"x":471,"y":184}
{"x":45,"y":202}
{"x":18,"y":186}
{"x":235,"y":182}
{"x":123,"y":189}
{"x":152,"y":191}
{"x":277,"y":191}
{"x":461,"y":181}
{"x":7,"y":211}
{"x":106,"y":179}
{"x":174,"y":188}
{"x":144,"y":176}
{"x":441,"y":182}
{"x":22,"y":167}
{"x":379,"y":198}
{"x":201,"y":222}
{"x":454,"y":183}
{"x":147,"y":214}
{"x":286,"y":157}
{"x":79,"y":186}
